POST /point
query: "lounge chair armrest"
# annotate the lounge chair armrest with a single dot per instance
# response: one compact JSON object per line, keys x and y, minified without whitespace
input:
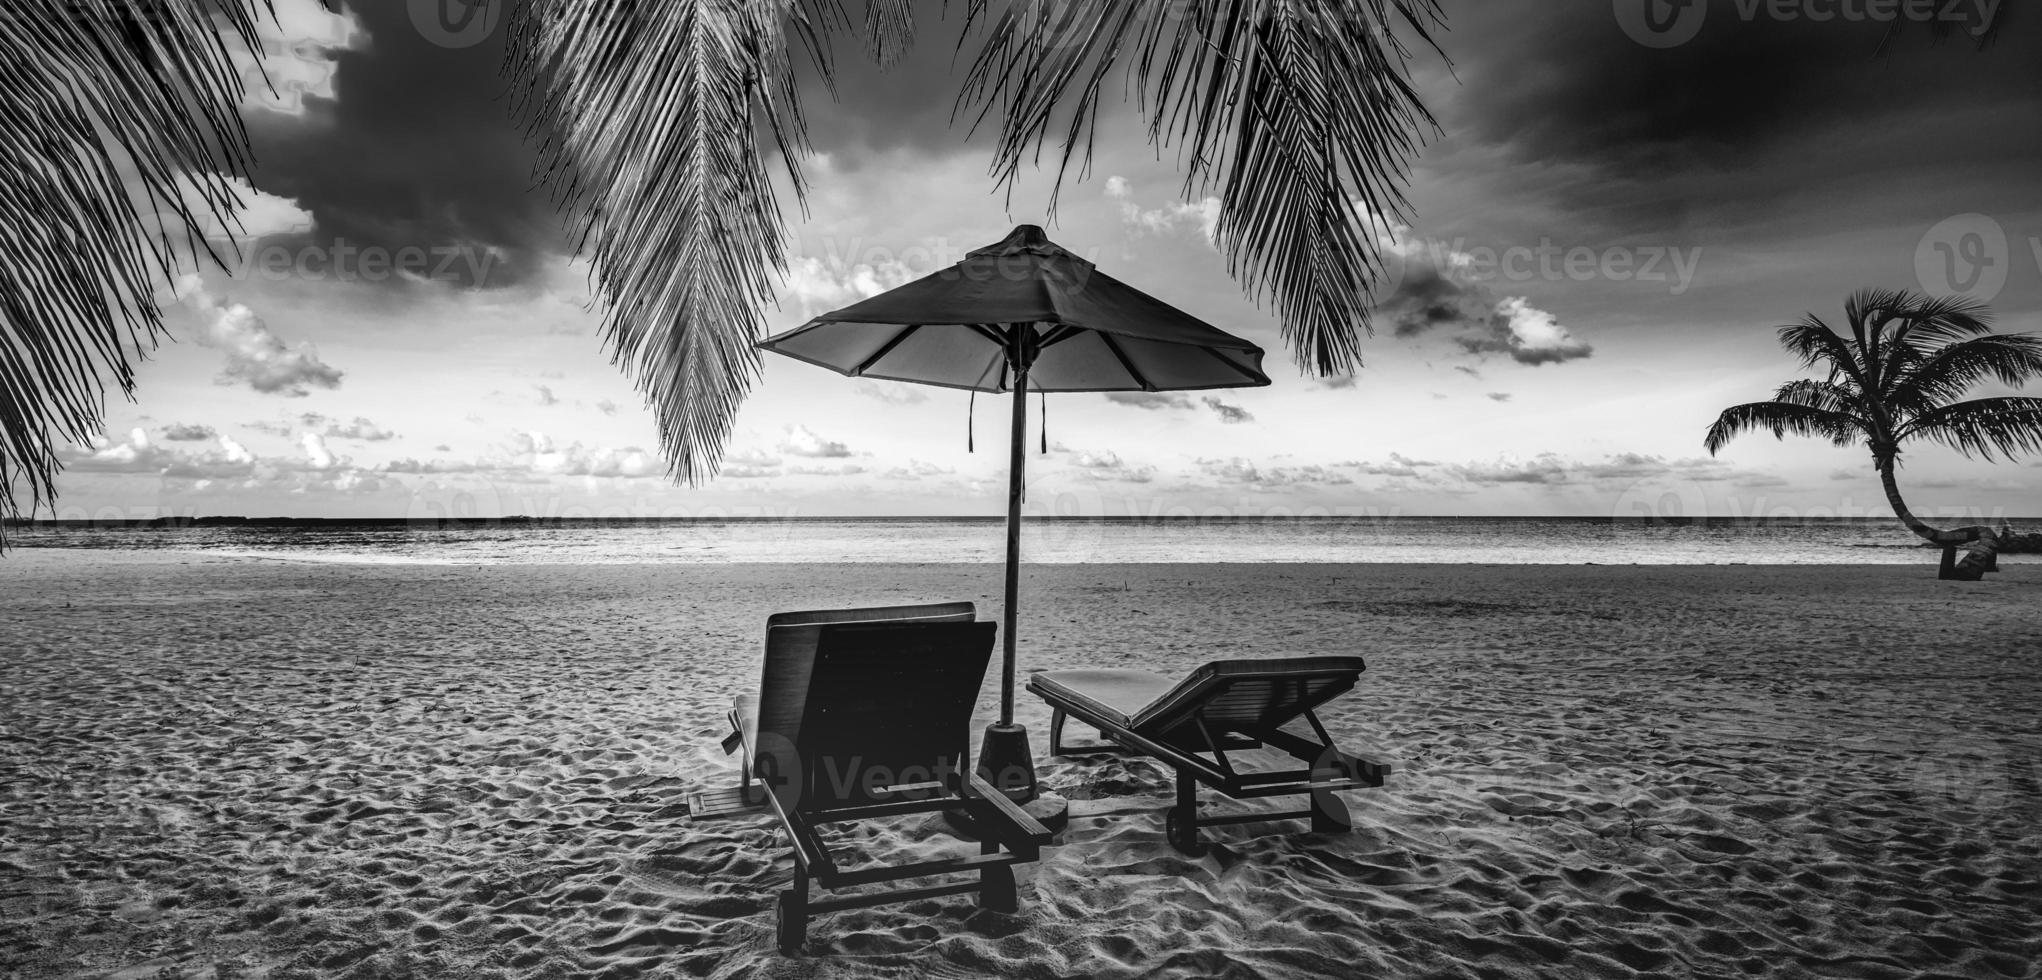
{"x":1010,"y":825}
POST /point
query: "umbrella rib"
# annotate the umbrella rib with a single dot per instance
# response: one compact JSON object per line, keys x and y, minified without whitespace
{"x":989,"y":333}
{"x":1121,"y":355}
{"x":886,"y":348}
{"x":1063,"y":332}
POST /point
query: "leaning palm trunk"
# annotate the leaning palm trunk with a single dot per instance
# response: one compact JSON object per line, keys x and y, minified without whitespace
{"x":1952,"y":536}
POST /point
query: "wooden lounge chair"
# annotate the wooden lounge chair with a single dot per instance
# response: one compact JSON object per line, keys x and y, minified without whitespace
{"x":866,"y":713}
{"x":1224,"y":706}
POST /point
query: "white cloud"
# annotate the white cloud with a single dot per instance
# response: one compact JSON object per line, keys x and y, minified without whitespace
{"x":801,"y":441}
{"x":316,"y":453}
{"x":298,"y":56}
{"x":891,"y":392}
{"x":255,"y":356}
{"x":819,"y":285}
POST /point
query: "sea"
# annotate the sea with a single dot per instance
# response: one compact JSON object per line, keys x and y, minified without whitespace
{"x":1044,"y":540}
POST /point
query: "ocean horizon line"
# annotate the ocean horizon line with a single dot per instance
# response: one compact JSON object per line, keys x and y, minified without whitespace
{"x":236,"y":520}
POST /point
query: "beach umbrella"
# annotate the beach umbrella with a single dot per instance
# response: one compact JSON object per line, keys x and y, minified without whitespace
{"x":1023,"y":315}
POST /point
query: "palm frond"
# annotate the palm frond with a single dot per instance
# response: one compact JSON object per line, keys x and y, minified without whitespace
{"x":889,"y":29}
{"x":1817,"y":345}
{"x":1868,"y":312}
{"x":1945,"y":373}
{"x":1783,"y":419}
{"x":1298,"y":116}
{"x":122,"y":131}
{"x":653,"y":119}
{"x":1983,"y":426}
{"x":1828,"y":396}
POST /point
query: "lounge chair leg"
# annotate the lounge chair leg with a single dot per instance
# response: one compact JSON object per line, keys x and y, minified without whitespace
{"x":1329,"y":814}
{"x":1180,"y":825}
{"x":996,"y":890}
{"x":1056,"y":732}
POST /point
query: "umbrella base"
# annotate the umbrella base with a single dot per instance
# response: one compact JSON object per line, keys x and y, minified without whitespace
{"x":1006,"y":762}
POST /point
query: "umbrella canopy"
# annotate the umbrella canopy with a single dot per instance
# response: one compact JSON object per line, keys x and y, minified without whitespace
{"x":1023,"y":315}
{"x":1093,"y":332}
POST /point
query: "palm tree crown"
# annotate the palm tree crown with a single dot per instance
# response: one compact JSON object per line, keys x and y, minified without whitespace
{"x":1895,"y":376}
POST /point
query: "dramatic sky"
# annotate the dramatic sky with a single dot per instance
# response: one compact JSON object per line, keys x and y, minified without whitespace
{"x":1603,"y":237}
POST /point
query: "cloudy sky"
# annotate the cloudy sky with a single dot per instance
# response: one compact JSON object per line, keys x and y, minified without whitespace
{"x":1615,"y":217}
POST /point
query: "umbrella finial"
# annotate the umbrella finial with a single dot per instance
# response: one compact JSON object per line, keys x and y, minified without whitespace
{"x":1027,"y":235}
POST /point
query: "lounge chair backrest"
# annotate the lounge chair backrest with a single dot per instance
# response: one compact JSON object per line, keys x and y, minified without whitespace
{"x":941,"y":612}
{"x":1245,"y":696}
{"x":848,"y":708}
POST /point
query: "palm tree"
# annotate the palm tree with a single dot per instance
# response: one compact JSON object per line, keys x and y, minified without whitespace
{"x":1896,"y":377}
{"x":658,"y":124}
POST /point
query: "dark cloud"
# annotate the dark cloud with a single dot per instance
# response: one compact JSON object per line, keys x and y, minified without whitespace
{"x":905,"y":107}
{"x":1229,"y":414}
{"x":1151,"y":401}
{"x":180,"y":432}
{"x":359,"y":429}
{"x":1498,"y":396}
{"x":1428,"y":299}
{"x":1628,"y":137}
{"x":1245,"y":473}
{"x":416,"y":150}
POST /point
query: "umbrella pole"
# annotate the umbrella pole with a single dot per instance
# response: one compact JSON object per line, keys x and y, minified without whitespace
{"x":1016,"y":466}
{"x":1005,"y":759}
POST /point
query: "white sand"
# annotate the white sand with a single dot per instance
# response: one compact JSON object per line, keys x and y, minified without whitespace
{"x":259,"y":769}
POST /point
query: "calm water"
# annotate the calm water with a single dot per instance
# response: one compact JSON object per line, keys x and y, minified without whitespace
{"x":1494,"y":540}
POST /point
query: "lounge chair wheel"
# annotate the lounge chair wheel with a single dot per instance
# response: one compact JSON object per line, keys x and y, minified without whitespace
{"x":1183,"y":834}
{"x":793,"y":923}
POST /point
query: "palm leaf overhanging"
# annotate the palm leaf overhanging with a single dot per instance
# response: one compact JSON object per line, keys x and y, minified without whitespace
{"x":1297,"y":114}
{"x":651,"y":118}
{"x":657,"y":120}
{"x":659,"y":124}
{"x":1895,"y":376}
{"x":120,"y":136}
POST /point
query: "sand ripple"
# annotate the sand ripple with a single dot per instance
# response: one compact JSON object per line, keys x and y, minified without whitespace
{"x":258,"y":770}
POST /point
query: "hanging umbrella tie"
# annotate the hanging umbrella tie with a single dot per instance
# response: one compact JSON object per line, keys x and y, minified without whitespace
{"x":970,"y":413}
{"x":1045,"y":424}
